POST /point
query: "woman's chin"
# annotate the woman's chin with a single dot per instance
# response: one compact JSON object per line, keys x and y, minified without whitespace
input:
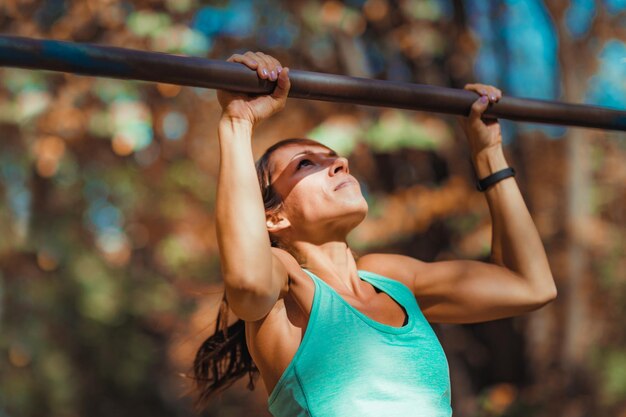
{"x":357,"y":213}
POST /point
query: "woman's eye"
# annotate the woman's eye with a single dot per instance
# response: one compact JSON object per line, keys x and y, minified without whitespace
{"x":304,"y":162}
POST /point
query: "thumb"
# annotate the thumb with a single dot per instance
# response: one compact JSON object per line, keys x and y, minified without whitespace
{"x":283,"y":84}
{"x":478,"y":108}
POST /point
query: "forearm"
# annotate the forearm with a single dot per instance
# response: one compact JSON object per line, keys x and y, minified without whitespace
{"x":516,"y":244}
{"x":242,"y":236}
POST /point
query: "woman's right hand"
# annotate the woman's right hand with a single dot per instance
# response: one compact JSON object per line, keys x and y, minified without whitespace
{"x":254,"y":108}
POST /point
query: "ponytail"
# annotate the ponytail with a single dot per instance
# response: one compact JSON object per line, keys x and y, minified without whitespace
{"x":222,"y":359}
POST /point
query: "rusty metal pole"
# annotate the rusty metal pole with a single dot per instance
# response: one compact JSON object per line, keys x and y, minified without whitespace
{"x":106,"y":61}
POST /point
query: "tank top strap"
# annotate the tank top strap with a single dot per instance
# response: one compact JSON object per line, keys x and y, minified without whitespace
{"x":395,"y":289}
{"x":324,"y":293}
{"x":319,"y":288}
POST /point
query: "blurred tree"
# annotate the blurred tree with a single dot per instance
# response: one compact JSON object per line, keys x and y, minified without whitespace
{"x":109,"y":273}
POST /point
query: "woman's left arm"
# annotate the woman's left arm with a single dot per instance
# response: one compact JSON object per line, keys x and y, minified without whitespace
{"x":518,"y":278}
{"x":515,"y":242}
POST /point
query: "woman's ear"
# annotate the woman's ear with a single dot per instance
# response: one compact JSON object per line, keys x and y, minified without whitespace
{"x":276,"y":222}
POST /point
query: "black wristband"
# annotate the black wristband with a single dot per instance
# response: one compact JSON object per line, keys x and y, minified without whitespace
{"x":487,"y":182}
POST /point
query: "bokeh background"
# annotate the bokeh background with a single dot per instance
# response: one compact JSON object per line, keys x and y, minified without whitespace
{"x":109,"y":272}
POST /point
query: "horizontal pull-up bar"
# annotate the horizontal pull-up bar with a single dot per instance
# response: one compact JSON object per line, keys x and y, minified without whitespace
{"x":106,"y":61}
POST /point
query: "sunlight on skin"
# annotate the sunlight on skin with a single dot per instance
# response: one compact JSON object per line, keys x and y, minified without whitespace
{"x":316,"y":184}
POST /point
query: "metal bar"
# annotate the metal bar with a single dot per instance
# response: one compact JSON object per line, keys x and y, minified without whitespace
{"x":106,"y":61}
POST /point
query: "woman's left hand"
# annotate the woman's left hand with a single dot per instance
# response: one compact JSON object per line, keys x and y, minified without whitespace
{"x":482,"y":135}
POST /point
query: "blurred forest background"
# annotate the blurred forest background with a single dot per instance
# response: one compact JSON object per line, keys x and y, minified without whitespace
{"x":109,"y":273}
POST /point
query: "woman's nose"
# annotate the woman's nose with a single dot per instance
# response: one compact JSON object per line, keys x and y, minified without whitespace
{"x":339,"y":164}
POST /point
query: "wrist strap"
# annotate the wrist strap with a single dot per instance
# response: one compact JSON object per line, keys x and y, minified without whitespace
{"x":487,"y":182}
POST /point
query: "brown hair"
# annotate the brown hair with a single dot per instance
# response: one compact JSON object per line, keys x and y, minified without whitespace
{"x":223,"y":358}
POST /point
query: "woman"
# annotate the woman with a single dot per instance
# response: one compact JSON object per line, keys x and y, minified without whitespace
{"x":332,"y":335}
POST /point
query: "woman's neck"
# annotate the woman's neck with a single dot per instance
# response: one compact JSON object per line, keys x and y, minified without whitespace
{"x":332,"y":261}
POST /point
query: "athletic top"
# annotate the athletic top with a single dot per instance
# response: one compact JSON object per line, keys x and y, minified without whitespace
{"x":350,"y":365}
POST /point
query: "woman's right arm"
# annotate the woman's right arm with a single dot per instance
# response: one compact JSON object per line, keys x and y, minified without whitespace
{"x":253,"y":276}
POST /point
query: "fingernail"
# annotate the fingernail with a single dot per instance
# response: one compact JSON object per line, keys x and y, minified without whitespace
{"x":484,"y":99}
{"x":279,"y":69}
{"x":493,"y":98}
{"x":273,"y":77}
{"x":264,"y":72}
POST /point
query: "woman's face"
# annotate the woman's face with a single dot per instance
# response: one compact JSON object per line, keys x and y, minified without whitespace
{"x":317,"y":190}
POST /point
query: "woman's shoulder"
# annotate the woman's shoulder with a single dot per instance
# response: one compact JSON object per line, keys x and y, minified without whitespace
{"x":298,"y":280}
{"x":294,"y":299}
{"x":397,"y":267}
{"x":287,"y":260}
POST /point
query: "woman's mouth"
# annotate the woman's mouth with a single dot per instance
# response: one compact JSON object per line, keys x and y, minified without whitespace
{"x":345,"y":183}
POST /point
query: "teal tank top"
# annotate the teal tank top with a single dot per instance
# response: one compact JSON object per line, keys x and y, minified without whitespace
{"x":350,"y":365}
